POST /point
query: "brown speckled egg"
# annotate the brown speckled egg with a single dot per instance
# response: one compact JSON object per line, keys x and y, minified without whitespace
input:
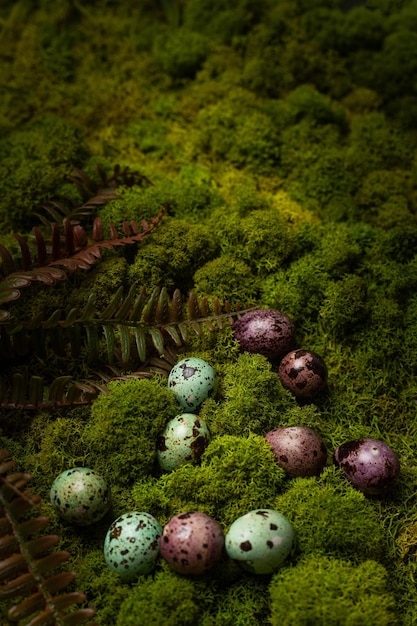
{"x":299,"y":450}
{"x":369,"y":464}
{"x":192,"y":542}
{"x":265,"y":331}
{"x":304,"y":373}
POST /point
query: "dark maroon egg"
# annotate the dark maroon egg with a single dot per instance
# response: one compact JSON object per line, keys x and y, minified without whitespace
{"x":304,"y":373}
{"x":192,"y":542}
{"x":369,"y":464}
{"x":299,"y":450}
{"x":265,"y":331}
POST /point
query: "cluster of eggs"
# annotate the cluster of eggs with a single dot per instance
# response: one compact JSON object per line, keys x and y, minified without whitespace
{"x":193,"y":542}
{"x":272,"y":333}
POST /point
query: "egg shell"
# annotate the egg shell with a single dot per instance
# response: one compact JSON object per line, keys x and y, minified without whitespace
{"x":371,"y":465}
{"x":192,"y":543}
{"x":80,"y":496}
{"x":183,"y":440}
{"x":304,"y":373}
{"x":265,"y":331}
{"x":299,"y":450}
{"x":260,"y":541}
{"x":131,"y":545}
{"x":192,"y":380}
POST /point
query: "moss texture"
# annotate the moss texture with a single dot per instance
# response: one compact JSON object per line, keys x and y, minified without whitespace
{"x":282,"y":138}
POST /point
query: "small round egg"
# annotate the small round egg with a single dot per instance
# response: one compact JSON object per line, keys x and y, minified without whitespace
{"x":192,"y":380}
{"x":192,"y":543}
{"x":260,"y":541}
{"x":183,"y":440}
{"x":371,"y":465}
{"x":304,"y":373}
{"x":265,"y":331}
{"x":80,"y":496}
{"x":299,"y":450}
{"x":131,"y":545}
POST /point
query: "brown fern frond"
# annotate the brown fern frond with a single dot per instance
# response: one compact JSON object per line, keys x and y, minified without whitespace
{"x":29,"y":571}
{"x":72,"y":251}
{"x":93,"y":193}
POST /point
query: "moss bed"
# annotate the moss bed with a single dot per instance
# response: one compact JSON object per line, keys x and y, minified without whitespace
{"x":283,"y":137}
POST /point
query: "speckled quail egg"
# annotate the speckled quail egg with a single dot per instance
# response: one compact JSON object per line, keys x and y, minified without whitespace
{"x":304,"y":373}
{"x":80,"y":496}
{"x":299,"y":450}
{"x":260,"y":541}
{"x":369,"y":464}
{"x":192,"y":380}
{"x":183,"y":440}
{"x":265,"y":331}
{"x":192,"y":542}
{"x":131,"y":545}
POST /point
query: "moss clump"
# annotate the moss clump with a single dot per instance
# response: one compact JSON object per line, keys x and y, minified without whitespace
{"x":228,"y":278}
{"x":180,"y":53}
{"x":54,"y":445}
{"x":168,"y":260}
{"x":331,"y":518}
{"x":236,"y":475}
{"x":98,"y":582}
{"x":252,"y":398}
{"x":33,"y":162}
{"x":121,"y":436}
{"x":330,"y":592}
{"x":165,"y":599}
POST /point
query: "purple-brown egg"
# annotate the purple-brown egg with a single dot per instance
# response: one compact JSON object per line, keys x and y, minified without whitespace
{"x":369,"y":464}
{"x":304,"y":373}
{"x":192,"y":543}
{"x":265,"y":331}
{"x":299,"y":450}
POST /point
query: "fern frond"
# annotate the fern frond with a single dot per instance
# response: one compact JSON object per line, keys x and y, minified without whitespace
{"x":28,"y":569}
{"x":131,"y":330}
{"x":72,"y":251}
{"x":92,"y":193}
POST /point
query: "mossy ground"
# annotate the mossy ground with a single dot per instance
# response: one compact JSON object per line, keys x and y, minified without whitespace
{"x":283,"y":137}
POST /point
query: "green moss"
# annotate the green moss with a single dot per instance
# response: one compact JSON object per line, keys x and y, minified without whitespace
{"x":167,"y":598}
{"x":125,"y":423}
{"x":331,"y":592}
{"x":331,"y":518}
{"x":97,"y":581}
{"x":237,"y":474}
{"x":54,"y":445}
{"x":228,"y":278}
{"x":33,"y":162}
{"x":176,"y":249}
{"x":344,"y":305}
{"x":180,"y":53}
{"x":251,"y":395}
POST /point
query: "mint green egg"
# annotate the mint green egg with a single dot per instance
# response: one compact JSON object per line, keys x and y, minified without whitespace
{"x":131,"y":545}
{"x":192,"y":380}
{"x":183,"y":440}
{"x":260,"y":541}
{"x":80,"y":496}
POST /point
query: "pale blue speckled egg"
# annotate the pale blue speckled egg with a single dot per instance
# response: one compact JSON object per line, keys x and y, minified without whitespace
{"x":183,"y":440}
{"x":260,"y":541}
{"x":80,"y":496}
{"x":131,"y":545}
{"x":192,"y":380}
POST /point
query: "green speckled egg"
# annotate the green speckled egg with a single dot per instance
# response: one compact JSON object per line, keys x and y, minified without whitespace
{"x":260,"y":541}
{"x":80,"y":496}
{"x":183,"y":440}
{"x":192,"y":380}
{"x":131,"y":545}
